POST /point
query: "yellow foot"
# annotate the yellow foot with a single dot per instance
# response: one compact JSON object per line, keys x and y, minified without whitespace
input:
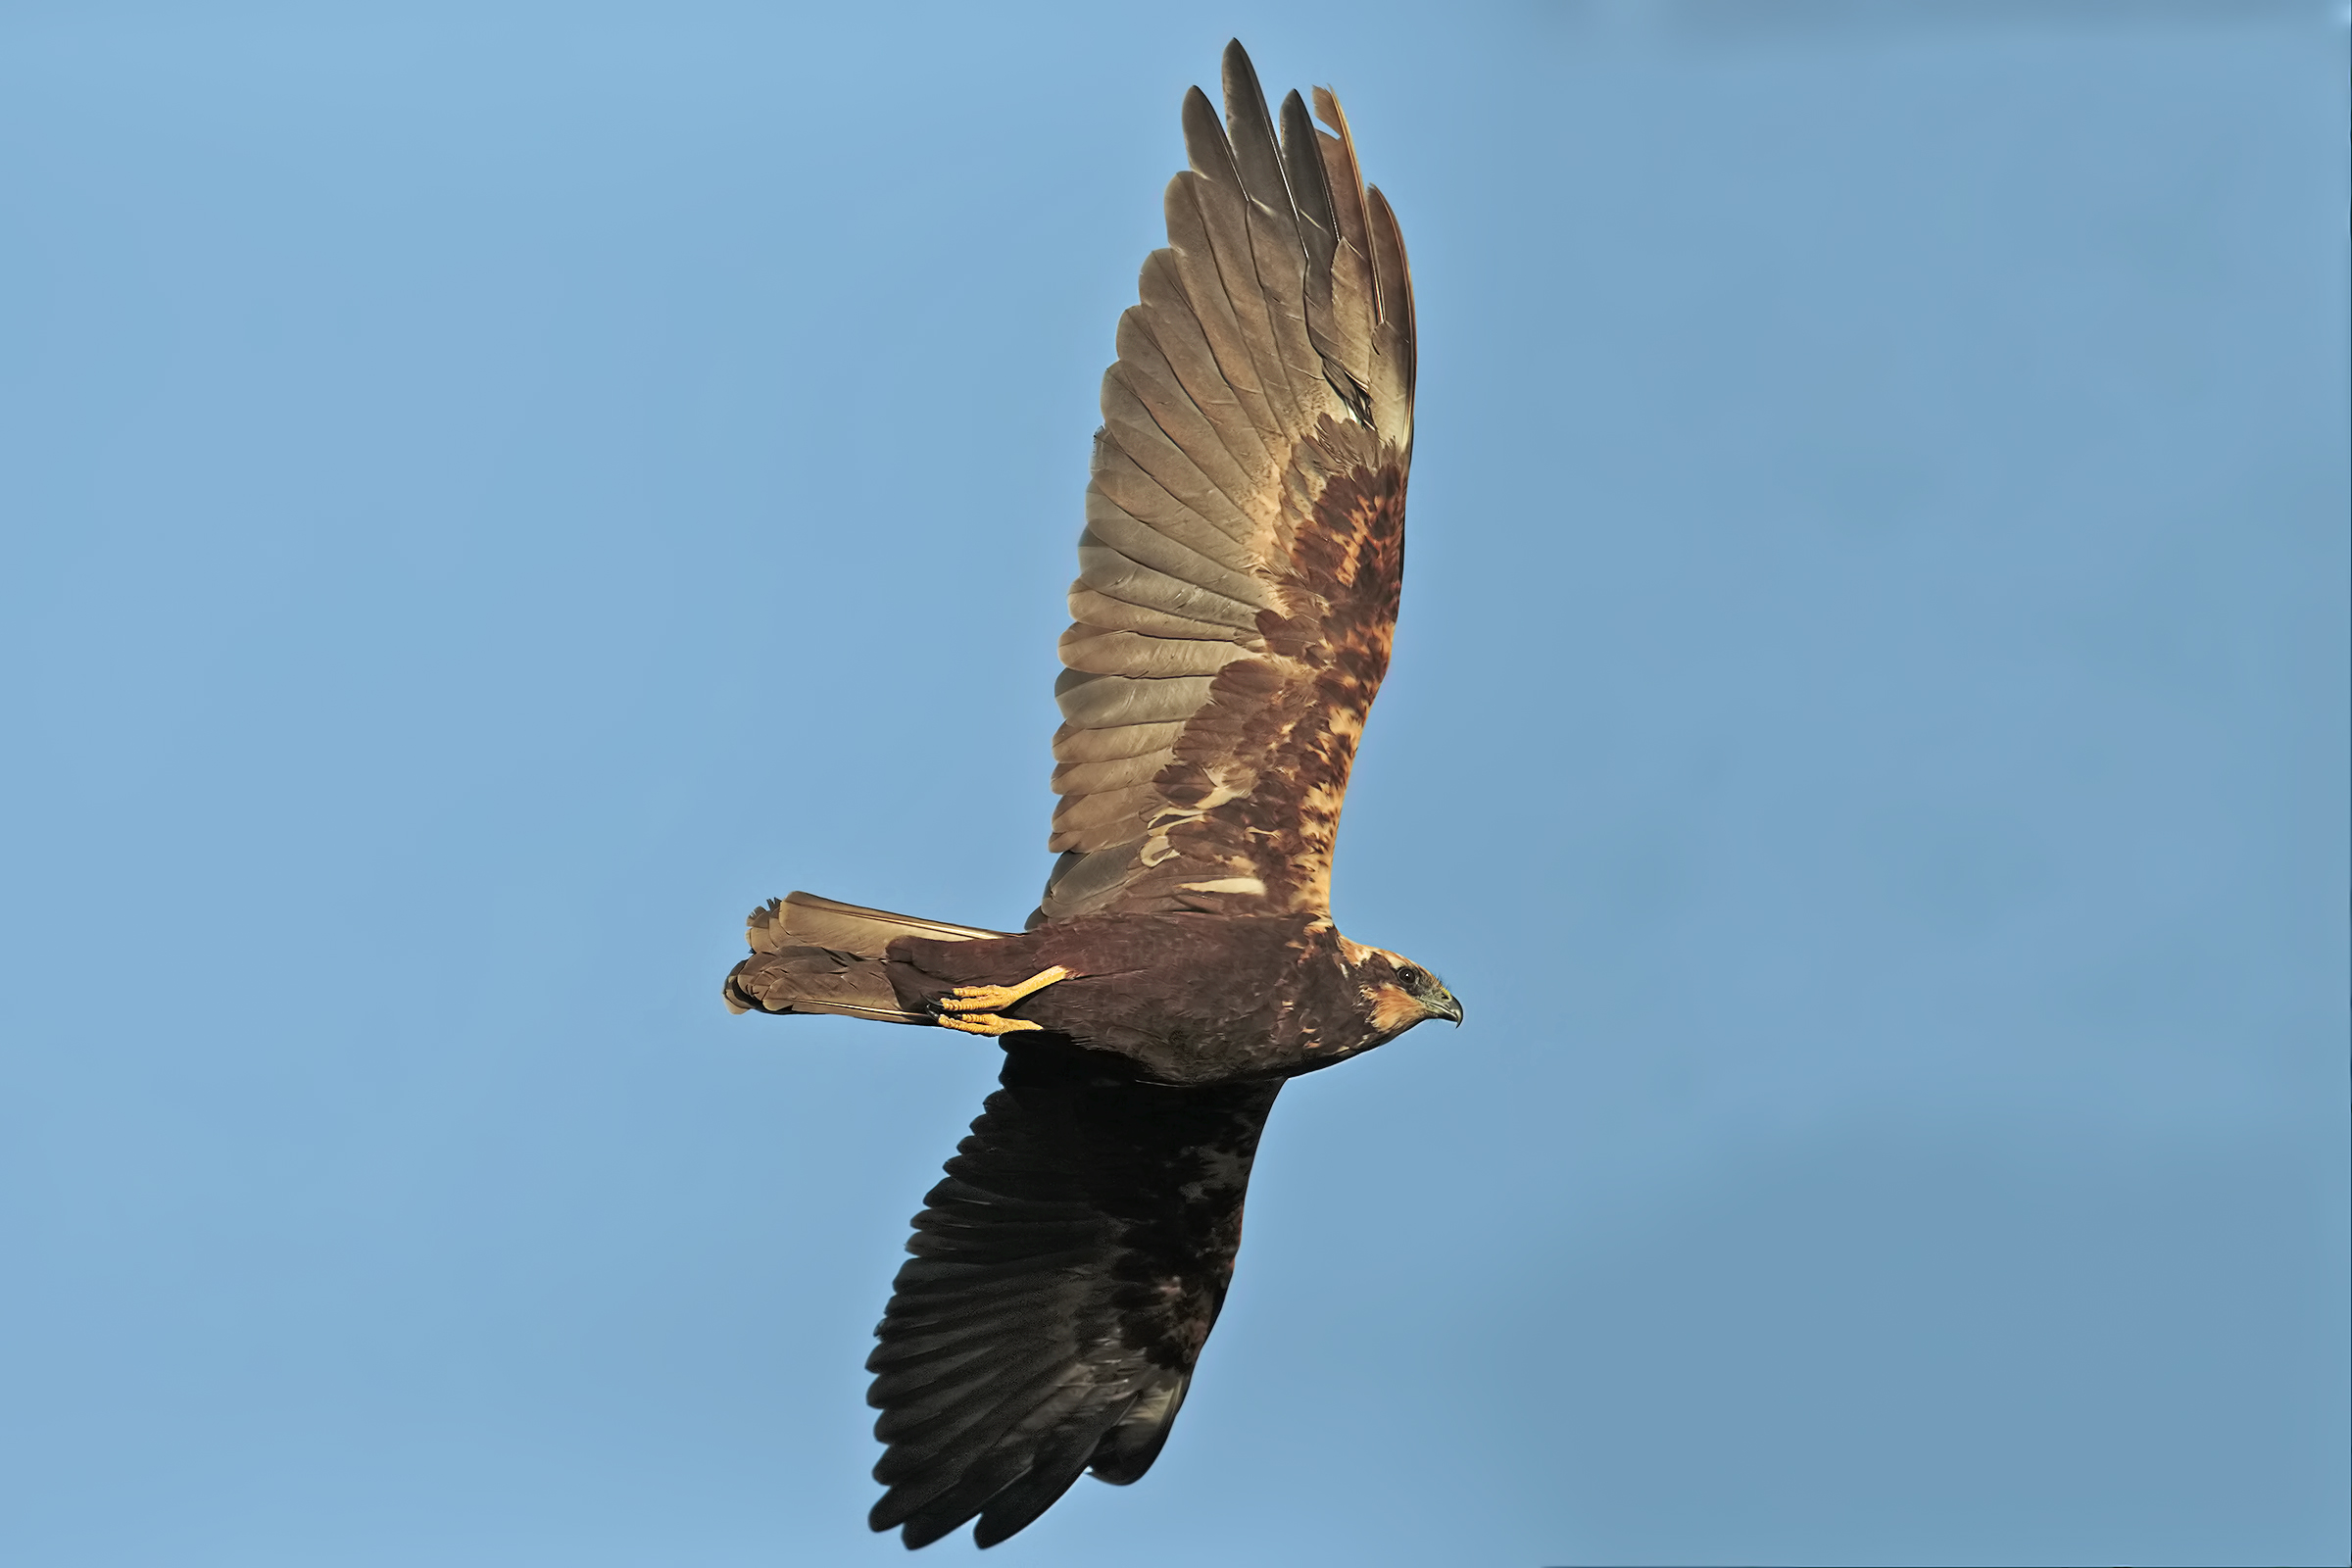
{"x":984,"y":1023}
{"x":990,"y":998}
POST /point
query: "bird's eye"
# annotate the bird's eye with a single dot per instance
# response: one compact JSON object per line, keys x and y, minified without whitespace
{"x":1412,"y":977}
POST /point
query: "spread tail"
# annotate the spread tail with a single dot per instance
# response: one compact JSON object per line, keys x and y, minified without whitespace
{"x":812,"y":955}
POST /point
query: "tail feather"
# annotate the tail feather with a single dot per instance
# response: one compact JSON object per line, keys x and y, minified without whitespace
{"x":808,"y":979}
{"x":807,"y":920}
{"x":812,"y":955}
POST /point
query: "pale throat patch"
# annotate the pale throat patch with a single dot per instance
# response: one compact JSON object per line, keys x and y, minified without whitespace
{"x":1395,"y":1009}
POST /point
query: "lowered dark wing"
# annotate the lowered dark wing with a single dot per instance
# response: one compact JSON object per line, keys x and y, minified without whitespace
{"x":1064,"y":1278}
{"x":1245,"y":535}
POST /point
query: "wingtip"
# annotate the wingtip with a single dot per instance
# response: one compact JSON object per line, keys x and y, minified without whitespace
{"x":1328,"y":110}
{"x":1235,"y":69}
{"x":1243,"y":90}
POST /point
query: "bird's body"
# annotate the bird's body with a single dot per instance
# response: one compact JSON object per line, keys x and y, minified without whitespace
{"x":1287,"y":997}
{"x":1232,"y":619}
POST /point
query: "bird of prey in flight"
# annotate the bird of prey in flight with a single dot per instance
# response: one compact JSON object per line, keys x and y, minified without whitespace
{"x":1236,"y":598}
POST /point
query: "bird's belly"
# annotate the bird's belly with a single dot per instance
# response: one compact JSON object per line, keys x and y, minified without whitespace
{"x":1181,"y":999}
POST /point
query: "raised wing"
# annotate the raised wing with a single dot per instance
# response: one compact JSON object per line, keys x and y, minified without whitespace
{"x":1064,"y":1278}
{"x":1245,"y":535}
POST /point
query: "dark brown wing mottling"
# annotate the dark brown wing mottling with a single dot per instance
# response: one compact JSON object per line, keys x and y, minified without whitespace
{"x":1296,"y":716}
{"x":1065,"y":1275}
{"x":1245,"y":533}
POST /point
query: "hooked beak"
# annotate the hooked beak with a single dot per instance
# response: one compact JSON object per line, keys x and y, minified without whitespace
{"x":1447,"y":1006}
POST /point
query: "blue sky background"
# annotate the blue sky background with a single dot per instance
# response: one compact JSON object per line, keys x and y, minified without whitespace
{"x":493,"y":491}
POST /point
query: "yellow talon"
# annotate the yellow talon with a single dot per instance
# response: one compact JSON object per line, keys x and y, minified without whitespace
{"x":986,"y":1023}
{"x":969,"y":998}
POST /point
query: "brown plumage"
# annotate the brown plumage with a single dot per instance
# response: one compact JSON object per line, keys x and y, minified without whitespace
{"x":1232,"y":619}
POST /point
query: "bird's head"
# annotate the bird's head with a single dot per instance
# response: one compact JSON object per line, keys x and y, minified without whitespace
{"x":1401,"y":994}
